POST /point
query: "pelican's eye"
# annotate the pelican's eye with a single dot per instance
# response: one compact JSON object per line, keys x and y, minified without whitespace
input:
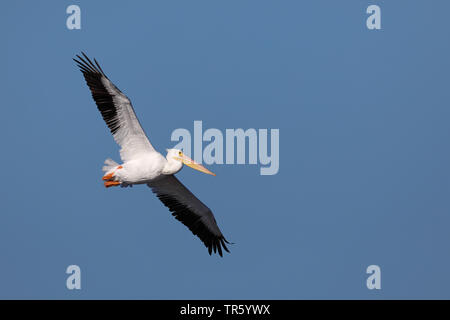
{"x":180,"y":153}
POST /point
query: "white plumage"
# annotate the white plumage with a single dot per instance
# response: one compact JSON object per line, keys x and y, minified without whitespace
{"x":142,"y":164}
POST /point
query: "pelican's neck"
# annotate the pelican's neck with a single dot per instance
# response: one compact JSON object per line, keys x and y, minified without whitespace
{"x":172,"y":166}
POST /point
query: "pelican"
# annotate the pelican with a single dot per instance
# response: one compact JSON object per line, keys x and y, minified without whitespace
{"x":142,"y":164}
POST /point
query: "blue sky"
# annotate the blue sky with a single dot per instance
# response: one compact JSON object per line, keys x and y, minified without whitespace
{"x":364,"y":149}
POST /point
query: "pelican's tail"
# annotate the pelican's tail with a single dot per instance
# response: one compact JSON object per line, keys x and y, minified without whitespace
{"x":110,"y":168}
{"x":109,"y":165}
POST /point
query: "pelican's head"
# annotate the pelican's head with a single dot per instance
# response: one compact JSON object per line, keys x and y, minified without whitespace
{"x":179,"y":156}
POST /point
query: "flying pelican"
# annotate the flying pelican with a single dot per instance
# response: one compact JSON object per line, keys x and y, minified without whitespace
{"x":142,"y":164}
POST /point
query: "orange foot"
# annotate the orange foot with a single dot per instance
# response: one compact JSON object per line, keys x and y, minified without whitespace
{"x":109,"y":176}
{"x":111,"y":183}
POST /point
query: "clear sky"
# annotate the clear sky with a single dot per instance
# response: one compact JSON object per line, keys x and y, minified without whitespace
{"x":364,"y":148}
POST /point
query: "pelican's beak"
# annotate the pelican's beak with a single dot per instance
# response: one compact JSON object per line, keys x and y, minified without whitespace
{"x":194,"y":165}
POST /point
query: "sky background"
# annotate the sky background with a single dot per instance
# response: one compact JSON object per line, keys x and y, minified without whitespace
{"x":364,"y":149}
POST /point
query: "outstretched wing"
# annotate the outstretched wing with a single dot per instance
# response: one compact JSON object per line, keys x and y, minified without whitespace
{"x":186,"y":208}
{"x":116,"y":110}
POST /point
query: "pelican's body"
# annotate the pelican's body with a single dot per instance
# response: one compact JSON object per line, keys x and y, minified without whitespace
{"x":142,"y":164}
{"x":145,"y":169}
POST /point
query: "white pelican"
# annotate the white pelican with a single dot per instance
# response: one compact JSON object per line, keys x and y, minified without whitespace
{"x":142,"y":164}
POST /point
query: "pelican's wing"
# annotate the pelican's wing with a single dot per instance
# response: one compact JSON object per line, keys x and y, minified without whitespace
{"x":116,"y":110}
{"x":186,"y":208}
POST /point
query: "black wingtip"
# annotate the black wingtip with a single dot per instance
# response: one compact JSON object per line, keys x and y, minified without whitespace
{"x":219,"y":248}
{"x":223,"y":238}
{"x":87,"y":66}
{"x":217,"y":245}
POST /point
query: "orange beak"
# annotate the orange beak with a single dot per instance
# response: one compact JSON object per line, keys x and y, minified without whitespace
{"x":194,"y":165}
